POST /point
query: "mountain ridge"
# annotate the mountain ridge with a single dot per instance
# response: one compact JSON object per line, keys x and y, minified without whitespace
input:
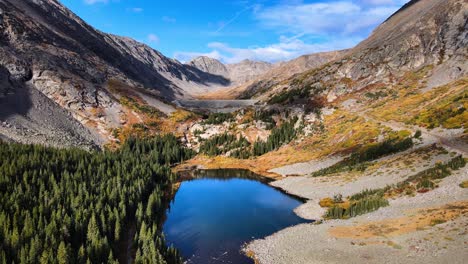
{"x":431,"y":32}
{"x":75,"y":65}
{"x":238,"y":73}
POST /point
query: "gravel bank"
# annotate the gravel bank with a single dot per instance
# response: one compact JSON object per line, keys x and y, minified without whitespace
{"x":309,"y":243}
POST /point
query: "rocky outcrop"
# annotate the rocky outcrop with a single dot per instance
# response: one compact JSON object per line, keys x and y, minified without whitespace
{"x":251,"y":77}
{"x":423,"y":33}
{"x":73,"y":64}
{"x":210,"y":65}
{"x":236,"y":73}
{"x":285,"y":70}
{"x":247,"y":70}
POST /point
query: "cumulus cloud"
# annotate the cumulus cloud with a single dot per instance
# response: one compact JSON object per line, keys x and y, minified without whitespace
{"x":339,"y":17}
{"x":169,"y":19}
{"x":152,"y":38}
{"x":285,"y":49}
{"x":136,"y":9}
{"x":314,"y":27}
{"x":92,"y":2}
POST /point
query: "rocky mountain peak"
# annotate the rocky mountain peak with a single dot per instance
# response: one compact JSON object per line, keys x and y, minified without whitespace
{"x":429,"y":33}
{"x":76,"y":67}
{"x":237,"y":73}
{"x":209,"y":65}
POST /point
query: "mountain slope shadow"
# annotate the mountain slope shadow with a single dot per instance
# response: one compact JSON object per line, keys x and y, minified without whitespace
{"x":28,"y":116}
{"x":14,"y":100}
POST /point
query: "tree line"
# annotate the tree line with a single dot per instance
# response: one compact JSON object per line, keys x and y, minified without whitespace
{"x":223,"y":143}
{"x":239,"y":147}
{"x":218,"y":118}
{"x":360,"y":159}
{"x":74,"y":206}
{"x":370,"y":200}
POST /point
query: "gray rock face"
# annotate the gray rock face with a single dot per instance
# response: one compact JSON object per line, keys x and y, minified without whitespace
{"x":236,"y":73}
{"x":430,"y":32}
{"x":422,"y":33}
{"x":210,"y":65}
{"x":29,"y":117}
{"x":285,"y":70}
{"x":247,"y":70}
{"x":74,"y":64}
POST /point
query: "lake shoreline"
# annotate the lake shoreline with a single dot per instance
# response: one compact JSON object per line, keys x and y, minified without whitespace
{"x":294,"y":244}
{"x":258,"y":220}
{"x":189,"y":174}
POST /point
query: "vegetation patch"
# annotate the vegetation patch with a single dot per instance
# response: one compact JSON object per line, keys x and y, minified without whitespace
{"x":359,"y":160}
{"x":371,"y":200}
{"x":449,"y":113}
{"x":218,"y":118}
{"x":443,"y":106}
{"x":223,"y":143}
{"x":326,"y":202}
{"x":375,"y":96}
{"x":356,"y":207}
{"x":76,"y":206}
{"x":291,"y":95}
{"x":398,"y":226}
{"x":239,"y":147}
{"x":181,"y":116}
{"x":278,"y":137}
{"x":266,"y":117}
{"x":425,"y":180}
{"x":464,"y":184}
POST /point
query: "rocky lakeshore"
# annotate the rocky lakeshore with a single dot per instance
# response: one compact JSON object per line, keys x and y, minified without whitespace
{"x":426,"y":227}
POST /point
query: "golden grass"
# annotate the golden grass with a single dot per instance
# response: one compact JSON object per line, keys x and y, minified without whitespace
{"x":181,"y":115}
{"x":428,"y":109}
{"x":326,"y":202}
{"x":403,"y":225}
{"x":222,"y":162}
{"x":464,"y":184}
{"x":251,"y":255}
{"x":223,"y":94}
{"x":344,"y":132}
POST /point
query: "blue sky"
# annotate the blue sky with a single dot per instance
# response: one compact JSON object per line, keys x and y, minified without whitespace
{"x":267,"y":30}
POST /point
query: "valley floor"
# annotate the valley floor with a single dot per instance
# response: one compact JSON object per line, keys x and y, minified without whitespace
{"x":418,"y":226}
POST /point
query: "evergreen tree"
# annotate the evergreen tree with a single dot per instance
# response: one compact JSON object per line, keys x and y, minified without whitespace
{"x":71,"y":206}
{"x":62,"y":254}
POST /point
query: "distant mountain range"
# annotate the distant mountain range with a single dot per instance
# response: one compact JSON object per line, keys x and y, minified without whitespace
{"x":236,"y":73}
{"x":51,"y":61}
{"x":423,"y":33}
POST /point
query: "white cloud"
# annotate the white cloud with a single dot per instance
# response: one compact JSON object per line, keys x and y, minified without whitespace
{"x":169,"y":19}
{"x":315,"y":27}
{"x":136,"y":9}
{"x":92,"y":2}
{"x":187,"y":56}
{"x":285,"y":49}
{"x":339,"y":17}
{"x":152,"y":38}
{"x":383,"y":2}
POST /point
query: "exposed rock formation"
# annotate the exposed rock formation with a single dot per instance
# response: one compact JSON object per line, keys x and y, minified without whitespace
{"x":210,"y":65}
{"x":74,"y":64}
{"x":237,"y":73}
{"x":422,"y":33}
{"x":247,"y":70}
{"x":249,"y":78}
{"x":287,"y":69}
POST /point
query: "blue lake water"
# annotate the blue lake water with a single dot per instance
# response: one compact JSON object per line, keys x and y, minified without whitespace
{"x":211,"y":217}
